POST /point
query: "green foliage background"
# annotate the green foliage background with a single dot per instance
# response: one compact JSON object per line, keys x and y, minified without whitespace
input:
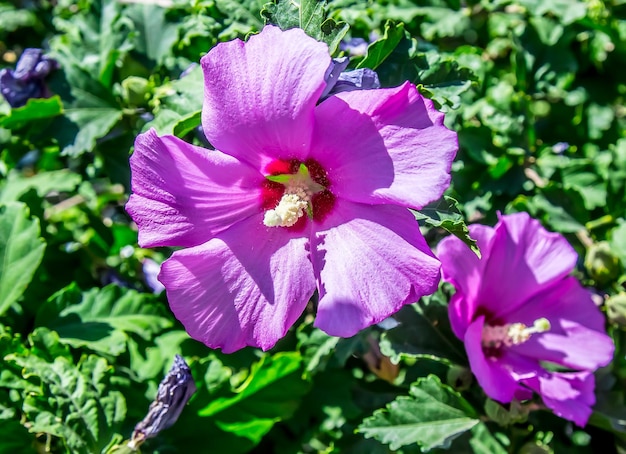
{"x":535,"y":89}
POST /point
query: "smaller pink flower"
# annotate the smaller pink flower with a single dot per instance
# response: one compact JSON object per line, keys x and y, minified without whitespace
{"x":527,"y":325}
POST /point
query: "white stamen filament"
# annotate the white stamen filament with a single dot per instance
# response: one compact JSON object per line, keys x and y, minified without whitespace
{"x":292,"y":206}
{"x":512,"y":333}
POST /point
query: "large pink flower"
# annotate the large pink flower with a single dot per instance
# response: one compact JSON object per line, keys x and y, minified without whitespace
{"x":527,"y":325}
{"x":297,"y":196}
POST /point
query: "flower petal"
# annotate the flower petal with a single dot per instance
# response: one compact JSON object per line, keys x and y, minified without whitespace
{"x":462,"y":268}
{"x":384,"y":146}
{"x":369,"y":262}
{"x":568,"y":395}
{"x":247,"y":286}
{"x":259,"y":96}
{"x":524,"y":260}
{"x":497,"y":382}
{"x":183,"y":195}
{"x":576,"y":338}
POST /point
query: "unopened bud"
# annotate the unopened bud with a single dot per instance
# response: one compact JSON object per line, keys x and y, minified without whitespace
{"x":601,"y":264}
{"x":174,"y":391}
{"x":616,"y":309}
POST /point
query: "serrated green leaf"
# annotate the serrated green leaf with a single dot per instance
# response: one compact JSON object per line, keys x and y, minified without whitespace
{"x":101,"y":319}
{"x":155,"y":36}
{"x":441,"y":78}
{"x":16,"y":184}
{"x":93,"y":123}
{"x":432,"y":416}
{"x":180,"y":106}
{"x":74,"y":402}
{"x":446,"y":215}
{"x":423,"y":331}
{"x":271,"y":392}
{"x":21,"y":252}
{"x":317,"y":347}
{"x":35,"y":109}
{"x":332,"y":34}
{"x":505,"y":416}
{"x":310,"y":16}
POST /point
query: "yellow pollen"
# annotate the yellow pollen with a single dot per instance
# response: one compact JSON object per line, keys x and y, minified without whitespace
{"x":513,"y":333}
{"x":292,"y":206}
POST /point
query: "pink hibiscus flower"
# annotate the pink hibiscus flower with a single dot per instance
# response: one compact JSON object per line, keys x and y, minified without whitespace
{"x":527,"y":325}
{"x":297,"y":196}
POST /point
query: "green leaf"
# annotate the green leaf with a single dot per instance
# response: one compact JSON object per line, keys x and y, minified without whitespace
{"x":155,"y":36}
{"x":617,"y":241}
{"x":35,"y":109}
{"x":271,"y":392}
{"x":14,"y":438}
{"x":317,"y":347}
{"x":446,"y":215}
{"x":441,"y":78}
{"x":588,"y":184}
{"x":512,"y":413}
{"x":14,"y":19}
{"x":76,"y":403}
{"x":21,"y":252}
{"x":95,"y":41}
{"x":423,"y":331}
{"x":180,"y":105}
{"x":609,"y":413}
{"x":382,"y":48}
{"x":43,"y":183}
{"x":566,"y":11}
{"x":432,"y":416}
{"x":310,"y":16}
{"x":93,"y":123}
{"x":102,"y":319}
{"x":483,"y":442}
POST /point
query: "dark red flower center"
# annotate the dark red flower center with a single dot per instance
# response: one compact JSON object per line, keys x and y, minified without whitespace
{"x":295,"y":191}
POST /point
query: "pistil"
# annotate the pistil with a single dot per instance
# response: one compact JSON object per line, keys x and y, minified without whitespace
{"x":296,"y":201}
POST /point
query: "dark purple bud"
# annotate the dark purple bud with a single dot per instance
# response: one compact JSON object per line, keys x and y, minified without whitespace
{"x":337,"y":66}
{"x":199,"y":133}
{"x":359,"y":79}
{"x":173,"y":394}
{"x":27,"y":80}
{"x":338,"y":80}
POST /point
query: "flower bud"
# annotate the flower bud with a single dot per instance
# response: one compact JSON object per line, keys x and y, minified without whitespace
{"x":616,"y":309}
{"x":135,"y":90}
{"x":601,"y":264}
{"x":174,"y":391}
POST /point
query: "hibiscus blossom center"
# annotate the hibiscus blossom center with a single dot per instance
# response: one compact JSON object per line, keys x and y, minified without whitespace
{"x":293,"y":189}
{"x":512,"y":333}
